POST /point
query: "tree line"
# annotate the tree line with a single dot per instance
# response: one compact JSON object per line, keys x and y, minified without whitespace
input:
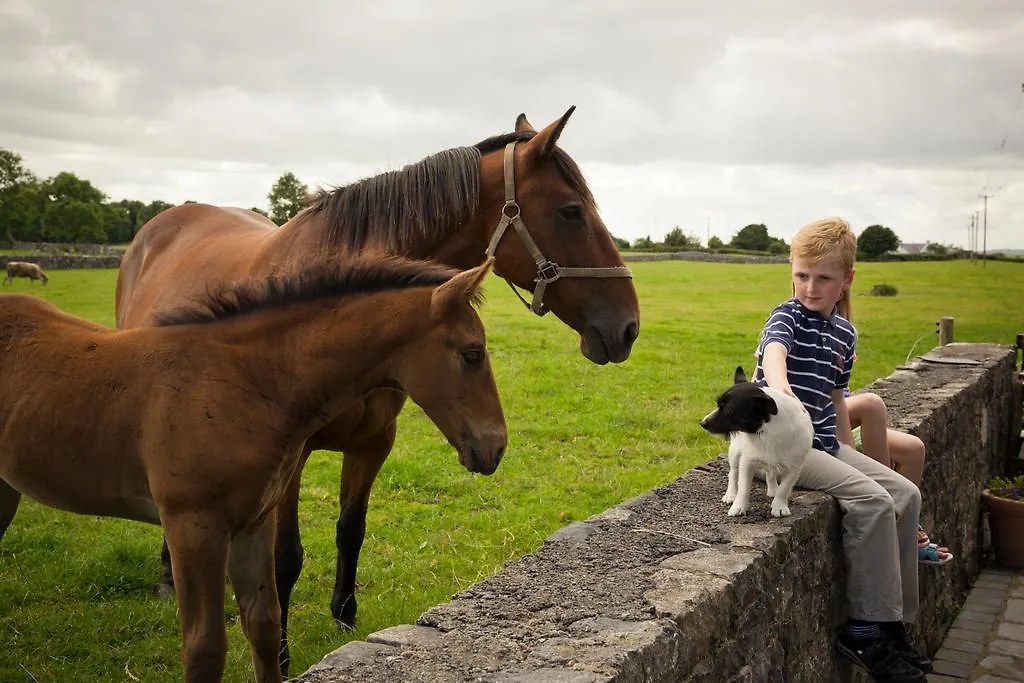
{"x":873,"y":242}
{"x":66,"y":208}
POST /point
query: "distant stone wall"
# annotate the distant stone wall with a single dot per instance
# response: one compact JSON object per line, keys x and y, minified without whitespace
{"x":666,"y":587}
{"x":65,"y":261}
{"x":704,"y":256}
{"x":52,"y":248}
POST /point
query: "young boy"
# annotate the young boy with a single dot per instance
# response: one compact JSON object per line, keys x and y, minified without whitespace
{"x":807,"y":350}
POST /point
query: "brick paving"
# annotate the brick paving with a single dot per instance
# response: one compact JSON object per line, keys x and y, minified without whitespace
{"x":986,"y":642}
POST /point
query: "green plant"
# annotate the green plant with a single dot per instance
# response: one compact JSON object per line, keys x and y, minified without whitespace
{"x":884,"y":290}
{"x":1011,"y":488}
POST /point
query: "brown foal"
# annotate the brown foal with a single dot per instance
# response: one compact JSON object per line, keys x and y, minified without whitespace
{"x":200,"y":422}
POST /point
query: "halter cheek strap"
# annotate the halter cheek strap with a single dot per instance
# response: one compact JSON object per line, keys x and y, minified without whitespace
{"x":547,"y":271}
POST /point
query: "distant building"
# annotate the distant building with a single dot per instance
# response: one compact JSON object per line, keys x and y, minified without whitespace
{"x":912,"y":247}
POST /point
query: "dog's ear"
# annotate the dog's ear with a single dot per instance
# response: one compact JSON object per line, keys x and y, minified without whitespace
{"x":739,"y":377}
{"x":768,"y":404}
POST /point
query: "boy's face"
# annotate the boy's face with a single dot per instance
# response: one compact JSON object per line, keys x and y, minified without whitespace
{"x":820,"y":285}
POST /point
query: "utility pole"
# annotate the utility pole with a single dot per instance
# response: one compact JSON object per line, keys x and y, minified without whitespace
{"x":970,"y":238}
{"x":707,"y":239}
{"x":976,"y":224}
{"x":984,"y":231}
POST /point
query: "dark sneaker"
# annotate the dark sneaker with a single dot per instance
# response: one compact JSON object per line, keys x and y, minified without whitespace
{"x":900,"y":642}
{"x":878,"y":657}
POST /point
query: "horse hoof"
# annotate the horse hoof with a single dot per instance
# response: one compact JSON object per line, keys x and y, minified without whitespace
{"x":345,"y":614}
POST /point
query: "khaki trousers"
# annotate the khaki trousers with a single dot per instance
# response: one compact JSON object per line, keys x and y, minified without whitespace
{"x":881,"y":509}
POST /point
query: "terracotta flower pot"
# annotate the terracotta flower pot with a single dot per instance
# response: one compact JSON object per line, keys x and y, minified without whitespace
{"x":1006,"y":518}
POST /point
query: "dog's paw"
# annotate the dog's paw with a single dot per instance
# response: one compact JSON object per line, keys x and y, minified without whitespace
{"x":728,"y":497}
{"x":780,"y":510}
{"x":737,"y":509}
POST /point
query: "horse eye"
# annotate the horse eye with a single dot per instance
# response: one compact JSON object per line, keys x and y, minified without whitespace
{"x":473,"y":357}
{"x":571,"y":212}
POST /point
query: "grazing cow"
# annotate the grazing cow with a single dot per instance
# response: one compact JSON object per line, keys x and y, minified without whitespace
{"x":24,"y":269}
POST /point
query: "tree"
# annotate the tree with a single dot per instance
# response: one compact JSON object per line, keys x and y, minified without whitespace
{"x":150,"y":210}
{"x":715,"y":243}
{"x":74,"y":210}
{"x":643,"y":243}
{"x":131,"y":210}
{"x":67,"y":185}
{"x":876,"y":240}
{"x":678,"y":239}
{"x":287,"y":197}
{"x":619,"y":242}
{"x":16,"y":184}
{"x":70,"y":220}
{"x":754,"y":237}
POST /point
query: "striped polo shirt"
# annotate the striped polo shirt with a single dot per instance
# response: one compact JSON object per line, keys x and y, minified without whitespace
{"x":820,"y":358}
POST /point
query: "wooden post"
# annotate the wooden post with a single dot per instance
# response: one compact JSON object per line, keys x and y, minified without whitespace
{"x":945,"y":330}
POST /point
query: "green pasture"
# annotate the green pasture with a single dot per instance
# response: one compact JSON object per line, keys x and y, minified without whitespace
{"x":76,"y":597}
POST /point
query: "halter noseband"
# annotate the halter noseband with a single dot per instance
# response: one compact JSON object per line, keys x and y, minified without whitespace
{"x":547,"y":271}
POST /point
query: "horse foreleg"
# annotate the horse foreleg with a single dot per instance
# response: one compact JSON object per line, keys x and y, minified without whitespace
{"x":199,"y":549}
{"x":358,"y":472}
{"x":165,"y":589}
{"x":251,"y":568}
{"x":288,"y":555}
{"x":9,"y":499}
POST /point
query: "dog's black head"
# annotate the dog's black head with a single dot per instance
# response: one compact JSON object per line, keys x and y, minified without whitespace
{"x":743,"y":407}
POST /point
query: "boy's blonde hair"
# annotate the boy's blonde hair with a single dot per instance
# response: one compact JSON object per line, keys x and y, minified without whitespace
{"x":826,"y":236}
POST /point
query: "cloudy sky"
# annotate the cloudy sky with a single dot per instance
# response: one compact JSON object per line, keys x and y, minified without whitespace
{"x":691,"y":115}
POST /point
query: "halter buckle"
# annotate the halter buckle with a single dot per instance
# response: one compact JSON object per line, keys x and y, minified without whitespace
{"x":511,"y":209}
{"x":548,"y":272}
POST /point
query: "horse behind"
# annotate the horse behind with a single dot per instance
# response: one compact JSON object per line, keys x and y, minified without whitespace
{"x":24,"y":269}
{"x":199,"y":423}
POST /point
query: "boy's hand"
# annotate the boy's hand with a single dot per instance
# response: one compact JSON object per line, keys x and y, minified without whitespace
{"x":789,"y":392}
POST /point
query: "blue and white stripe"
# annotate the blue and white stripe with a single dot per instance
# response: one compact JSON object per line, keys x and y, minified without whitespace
{"x":820,"y":358}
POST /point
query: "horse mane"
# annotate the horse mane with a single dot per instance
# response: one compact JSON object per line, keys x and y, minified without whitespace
{"x":325,"y":278}
{"x":429,"y":199}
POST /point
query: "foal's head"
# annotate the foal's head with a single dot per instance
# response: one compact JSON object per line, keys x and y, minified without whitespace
{"x":448,"y":374}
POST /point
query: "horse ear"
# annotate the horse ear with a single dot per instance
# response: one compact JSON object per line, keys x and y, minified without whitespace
{"x":463,"y":288}
{"x":523,"y":125}
{"x":544,"y":141}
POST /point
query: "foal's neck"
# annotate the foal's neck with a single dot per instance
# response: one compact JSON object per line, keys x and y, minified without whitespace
{"x":319,"y":357}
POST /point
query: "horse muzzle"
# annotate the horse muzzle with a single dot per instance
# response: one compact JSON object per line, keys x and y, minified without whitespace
{"x":482,"y":454}
{"x":610,"y":342}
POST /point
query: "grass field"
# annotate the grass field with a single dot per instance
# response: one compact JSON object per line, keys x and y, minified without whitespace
{"x":76,"y":600}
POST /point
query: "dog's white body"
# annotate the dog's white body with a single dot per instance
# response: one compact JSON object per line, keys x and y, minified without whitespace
{"x":778,"y":448}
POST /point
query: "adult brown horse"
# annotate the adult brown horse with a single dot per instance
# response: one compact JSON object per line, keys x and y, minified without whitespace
{"x":200,"y":424}
{"x":445,"y":207}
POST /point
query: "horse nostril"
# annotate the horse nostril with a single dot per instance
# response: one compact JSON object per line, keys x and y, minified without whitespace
{"x":632,"y":332}
{"x":500,"y":454}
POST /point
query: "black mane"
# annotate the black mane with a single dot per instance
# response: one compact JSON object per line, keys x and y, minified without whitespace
{"x":327,"y":278}
{"x":426,"y":200}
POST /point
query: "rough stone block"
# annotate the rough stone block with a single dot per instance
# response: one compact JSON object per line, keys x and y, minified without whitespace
{"x":949,"y":668}
{"x":1014,"y":610}
{"x":1010,"y":648}
{"x":406,"y":634}
{"x":1007,"y":667}
{"x":1011,"y":631}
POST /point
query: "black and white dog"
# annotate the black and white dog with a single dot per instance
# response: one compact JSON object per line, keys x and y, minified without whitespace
{"x":768,"y":430}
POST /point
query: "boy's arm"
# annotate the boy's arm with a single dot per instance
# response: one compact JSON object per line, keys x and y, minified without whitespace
{"x":843,"y":431}
{"x":773,"y":362}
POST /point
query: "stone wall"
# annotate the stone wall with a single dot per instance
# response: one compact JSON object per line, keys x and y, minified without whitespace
{"x":666,"y":587}
{"x":50,"y":262}
{"x":704,"y":256}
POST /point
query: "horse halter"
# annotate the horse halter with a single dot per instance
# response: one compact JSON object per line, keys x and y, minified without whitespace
{"x":547,"y":271}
